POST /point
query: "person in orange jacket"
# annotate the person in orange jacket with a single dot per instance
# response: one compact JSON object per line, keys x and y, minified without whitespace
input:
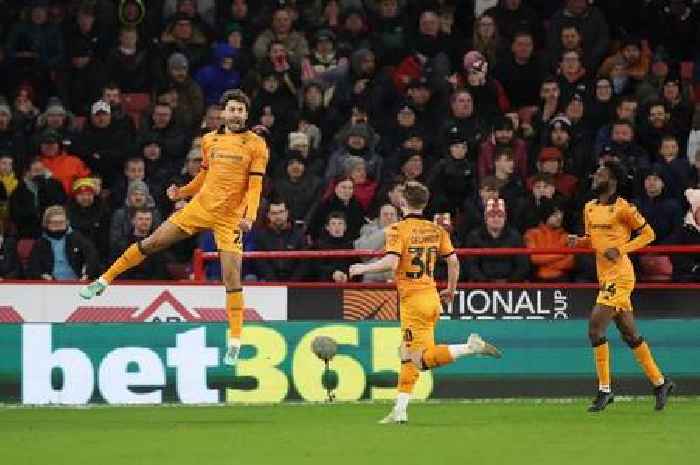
{"x":550,"y":234}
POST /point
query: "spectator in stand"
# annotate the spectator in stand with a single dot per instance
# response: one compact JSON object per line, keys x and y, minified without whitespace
{"x":578,"y":159}
{"x":503,"y":135}
{"x":673,"y":27}
{"x":299,"y":188}
{"x":281,"y":30}
{"x":356,"y":143}
{"x":521,"y":72}
{"x":161,"y":127}
{"x":493,"y":233}
{"x":365,"y":187}
{"x":56,"y":118}
{"x":201,"y":12}
{"x":657,"y":125}
{"x":678,"y":167}
{"x":678,"y":103}
{"x":12,"y":139}
{"x":341,"y":200}
{"x":488,"y":95}
{"x":573,"y":77}
{"x":112,"y":94}
{"x":411,"y":165}
{"x":137,"y":196}
{"x":657,"y":204}
{"x":61,"y":253}
{"x":625,"y":109}
{"x":515,"y":16}
{"x":389,"y":32}
{"x":8,"y":184}
{"x":525,"y":212}
{"x":550,"y":234}
{"x":190,"y":100}
{"x":590,"y":22}
{"x":511,"y":187}
{"x":102,"y":145}
{"x":353,"y":31}
{"x":182,"y":36}
{"x":64,"y":167}
{"x":486,"y":38}
{"x":34,"y":45}
{"x":372,"y":237}
{"x":89,"y":216}
{"x":453,"y":178}
{"x":635,"y":58}
{"x":220,"y":75}
{"x":35,"y":192}
{"x":602,"y":108}
{"x":10,"y":267}
{"x":83,"y":77}
{"x":333,"y":237}
{"x":134,"y":170}
{"x":391,"y":192}
{"x":550,"y":161}
{"x":686,"y":267}
{"x":463,"y":119}
{"x":141,"y":224}
{"x":279,"y":233}
{"x":130,"y":64}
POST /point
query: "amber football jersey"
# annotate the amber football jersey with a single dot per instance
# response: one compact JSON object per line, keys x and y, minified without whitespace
{"x":229,"y":160}
{"x":418,"y":243}
{"x":611,"y":226}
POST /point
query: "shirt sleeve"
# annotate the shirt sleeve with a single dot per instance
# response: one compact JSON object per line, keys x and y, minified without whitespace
{"x":394,"y":244}
{"x":632,"y":217}
{"x":205,"y":153}
{"x":258,"y":164}
{"x":446,"y":248}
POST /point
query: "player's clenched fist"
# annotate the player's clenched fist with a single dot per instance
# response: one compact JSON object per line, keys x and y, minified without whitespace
{"x":245,"y":225}
{"x":173,"y":192}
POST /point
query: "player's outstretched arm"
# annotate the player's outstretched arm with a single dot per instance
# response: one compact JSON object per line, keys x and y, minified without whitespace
{"x":389,"y":262}
{"x":645,"y":236}
{"x":191,"y":188}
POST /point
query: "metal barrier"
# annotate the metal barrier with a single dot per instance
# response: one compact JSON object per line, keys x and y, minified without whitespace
{"x":200,"y":257}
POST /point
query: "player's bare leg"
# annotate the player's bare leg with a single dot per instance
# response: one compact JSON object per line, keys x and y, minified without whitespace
{"x":231,"y":274}
{"x":663,"y":386}
{"x":601,"y":316}
{"x":163,"y":237}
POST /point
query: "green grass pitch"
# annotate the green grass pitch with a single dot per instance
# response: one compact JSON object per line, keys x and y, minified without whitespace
{"x":499,"y":432}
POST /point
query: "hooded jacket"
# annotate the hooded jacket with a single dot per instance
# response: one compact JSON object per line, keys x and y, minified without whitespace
{"x":213,"y":79}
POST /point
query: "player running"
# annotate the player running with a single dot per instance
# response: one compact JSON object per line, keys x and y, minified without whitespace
{"x":225,"y":198}
{"x":412,"y":247}
{"x":609,"y":222}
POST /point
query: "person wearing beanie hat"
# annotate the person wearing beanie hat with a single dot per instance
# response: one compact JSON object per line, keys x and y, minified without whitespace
{"x":658,"y":204}
{"x":88,"y":215}
{"x":550,"y":234}
{"x":610,"y":222}
{"x":356,"y":141}
{"x":494,"y":232}
{"x":550,"y":161}
{"x":64,"y":167}
{"x":190,"y":99}
{"x":298,"y":185}
{"x":453,"y":178}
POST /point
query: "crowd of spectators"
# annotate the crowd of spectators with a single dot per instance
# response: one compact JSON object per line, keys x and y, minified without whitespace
{"x":510,"y":104}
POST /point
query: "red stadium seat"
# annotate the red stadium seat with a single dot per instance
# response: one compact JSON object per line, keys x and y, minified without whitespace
{"x":136,"y":105}
{"x":24,"y":250}
{"x":687,"y":70}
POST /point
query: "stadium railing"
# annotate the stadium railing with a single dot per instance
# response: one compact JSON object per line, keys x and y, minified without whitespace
{"x":200,"y":259}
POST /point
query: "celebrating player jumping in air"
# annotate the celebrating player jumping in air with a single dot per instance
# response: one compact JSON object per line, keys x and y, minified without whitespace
{"x":610,"y":221}
{"x":225,"y":198}
{"x":412,"y":247}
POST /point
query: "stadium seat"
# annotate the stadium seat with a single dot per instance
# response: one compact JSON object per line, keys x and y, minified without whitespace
{"x":136,"y":105}
{"x":687,"y":70}
{"x":24,"y":250}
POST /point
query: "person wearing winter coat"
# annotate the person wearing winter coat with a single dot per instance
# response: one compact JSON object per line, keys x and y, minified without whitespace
{"x":550,"y":234}
{"x":453,"y":178}
{"x":341,"y":200}
{"x":220,"y":75}
{"x":494,"y":233}
{"x":61,"y":253}
{"x":333,"y":237}
{"x":372,"y":237}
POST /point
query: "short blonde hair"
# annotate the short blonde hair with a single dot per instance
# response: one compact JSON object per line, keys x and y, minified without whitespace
{"x":50,"y":212}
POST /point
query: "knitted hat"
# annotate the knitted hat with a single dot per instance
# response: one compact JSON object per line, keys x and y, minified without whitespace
{"x":84,"y":185}
{"x":178,"y":60}
{"x":361,"y":130}
{"x":549,"y":153}
{"x":496,"y":207}
{"x":298,"y":138}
